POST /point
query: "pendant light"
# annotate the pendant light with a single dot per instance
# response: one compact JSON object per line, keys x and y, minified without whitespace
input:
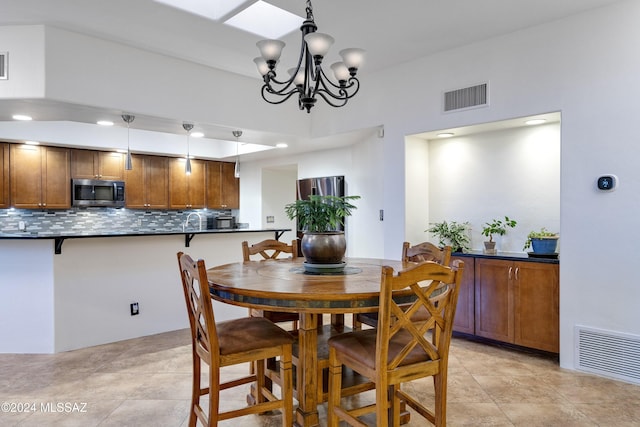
{"x":128,"y":118}
{"x":236,"y":169}
{"x":187,"y":165}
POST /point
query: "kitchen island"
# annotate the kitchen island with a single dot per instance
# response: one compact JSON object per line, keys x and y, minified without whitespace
{"x":81,"y":297}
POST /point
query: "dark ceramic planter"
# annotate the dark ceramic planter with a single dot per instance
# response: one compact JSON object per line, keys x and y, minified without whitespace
{"x":324,"y":248}
{"x":544,"y":245}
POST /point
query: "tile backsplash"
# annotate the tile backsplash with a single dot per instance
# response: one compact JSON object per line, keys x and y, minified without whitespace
{"x":97,"y":220}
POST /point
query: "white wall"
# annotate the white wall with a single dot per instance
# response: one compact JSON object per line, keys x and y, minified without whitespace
{"x":490,"y":175}
{"x":26,"y":70}
{"x":580,"y":66}
{"x":26,"y":296}
{"x":278,"y":189}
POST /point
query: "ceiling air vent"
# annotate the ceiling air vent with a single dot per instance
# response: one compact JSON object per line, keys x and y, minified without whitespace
{"x":465,"y":98}
{"x":3,"y":65}
{"x":608,"y":353}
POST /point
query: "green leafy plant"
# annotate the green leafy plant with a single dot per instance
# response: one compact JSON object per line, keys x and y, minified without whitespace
{"x":542,"y":234}
{"x":452,"y":233}
{"x":321,"y":213}
{"x":498,"y":227}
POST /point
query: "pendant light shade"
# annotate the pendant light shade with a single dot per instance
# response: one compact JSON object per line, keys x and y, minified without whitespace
{"x":187,"y":166}
{"x":128,"y":118}
{"x":236,"y":169}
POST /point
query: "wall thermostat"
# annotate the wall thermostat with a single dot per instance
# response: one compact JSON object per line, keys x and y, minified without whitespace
{"x":607,"y":182}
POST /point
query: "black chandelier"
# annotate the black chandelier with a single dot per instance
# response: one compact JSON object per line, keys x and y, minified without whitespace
{"x":308,"y":79}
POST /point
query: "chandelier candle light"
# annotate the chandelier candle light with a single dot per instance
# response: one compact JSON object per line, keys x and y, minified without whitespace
{"x":308,"y":79}
{"x":187,"y":165}
{"x":128,"y":118}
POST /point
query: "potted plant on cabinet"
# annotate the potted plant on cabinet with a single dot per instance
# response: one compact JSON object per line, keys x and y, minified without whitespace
{"x":320,"y":217}
{"x":543,"y":243}
{"x":498,"y":227}
{"x":453,"y":234}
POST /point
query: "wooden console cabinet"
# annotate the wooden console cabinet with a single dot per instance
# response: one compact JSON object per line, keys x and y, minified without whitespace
{"x":517,"y":302}
{"x":4,"y":175}
{"x":464,"y":320}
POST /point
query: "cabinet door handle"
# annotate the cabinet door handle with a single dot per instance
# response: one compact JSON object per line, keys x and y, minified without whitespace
{"x":517,"y":270}
{"x":510,"y":270}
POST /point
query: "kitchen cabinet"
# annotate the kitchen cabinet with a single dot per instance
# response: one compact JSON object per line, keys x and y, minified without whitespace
{"x":223,"y":188}
{"x":147,"y":183}
{"x":4,"y":175}
{"x":91,"y":164}
{"x":186,"y":191}
{"x":40,"y":177}
{"x":518,"y":302}
{"x":465,"y":312}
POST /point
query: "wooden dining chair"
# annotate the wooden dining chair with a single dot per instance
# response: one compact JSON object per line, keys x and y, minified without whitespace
{"x":425,"y":251}
{"x":271,"y":249}
{"x":245,"y":340}
{"x":400,"y":349}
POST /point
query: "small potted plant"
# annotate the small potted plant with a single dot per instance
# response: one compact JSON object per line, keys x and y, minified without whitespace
{"x":498,"y":227}
{"x":320,"y":217}
{"x":542,"y":242}
{"x":453,"y":234}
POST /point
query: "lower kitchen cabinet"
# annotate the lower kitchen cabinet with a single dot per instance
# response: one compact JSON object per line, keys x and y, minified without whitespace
{"x":517,"y":302}
{"x":40,"y":177}
{"x":464,"y":319}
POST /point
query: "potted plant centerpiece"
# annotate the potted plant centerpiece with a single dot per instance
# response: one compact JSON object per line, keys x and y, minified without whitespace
{"x":498,"y":227}
{"x":320,"y":217}
{"x":543,"y":242}
{"x":453,"y":234}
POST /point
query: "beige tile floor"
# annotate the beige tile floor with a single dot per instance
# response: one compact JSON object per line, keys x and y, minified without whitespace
{"x":146,"y":382}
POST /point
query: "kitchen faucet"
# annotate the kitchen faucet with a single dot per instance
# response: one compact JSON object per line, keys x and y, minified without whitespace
{"x":186,"y":222}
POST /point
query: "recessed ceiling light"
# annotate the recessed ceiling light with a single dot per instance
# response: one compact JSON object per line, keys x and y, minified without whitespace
{"x":22,"y":117}
{"x":535,"y":122}
{"x":265,"y":20}
{"x":197,"y":134}
{"x":445,"y":135}
{"x":105,"y":122}
{"x":32,"y":142}
{"x":281,"y":145}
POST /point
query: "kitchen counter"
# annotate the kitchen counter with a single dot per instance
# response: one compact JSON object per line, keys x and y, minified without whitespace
{"x":59,"y":238}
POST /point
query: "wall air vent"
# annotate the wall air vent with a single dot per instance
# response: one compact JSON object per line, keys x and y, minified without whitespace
{"x":3,"y":65}
{"x":607,"y":353}
{"x":466,"y":98}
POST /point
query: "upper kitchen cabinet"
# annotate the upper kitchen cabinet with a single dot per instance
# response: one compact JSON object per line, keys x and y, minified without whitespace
{"x":40,"y":177}
{"x":186,"y":191}
{"x":223,"y":188}
{"x":90,"y":164}
{"x":4,"y":175}
{"x":147,"y":183}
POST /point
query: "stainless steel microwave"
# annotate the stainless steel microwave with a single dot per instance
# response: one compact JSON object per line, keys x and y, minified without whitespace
{"x":93,"y":192}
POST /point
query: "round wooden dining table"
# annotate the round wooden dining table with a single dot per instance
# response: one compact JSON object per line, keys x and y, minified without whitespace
{"x":285,"y":285}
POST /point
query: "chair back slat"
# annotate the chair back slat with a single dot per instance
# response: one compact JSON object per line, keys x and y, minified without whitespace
{"x":200,"y":309}
{"x":426,"y":251}
{"x":435,"y":288}
{"x":269,"y":249}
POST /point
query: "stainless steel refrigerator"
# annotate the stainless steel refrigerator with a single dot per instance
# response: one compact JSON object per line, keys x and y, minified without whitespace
{"x":328,"y":185}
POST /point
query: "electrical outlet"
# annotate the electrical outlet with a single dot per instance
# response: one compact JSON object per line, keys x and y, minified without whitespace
{"x":135,"y":308}
{"x":22,"y":226}
{"x":271,"y":219}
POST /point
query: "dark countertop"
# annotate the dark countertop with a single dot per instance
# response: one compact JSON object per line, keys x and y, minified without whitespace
{"x":507,"y":256}
{"x":188,"y":234}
